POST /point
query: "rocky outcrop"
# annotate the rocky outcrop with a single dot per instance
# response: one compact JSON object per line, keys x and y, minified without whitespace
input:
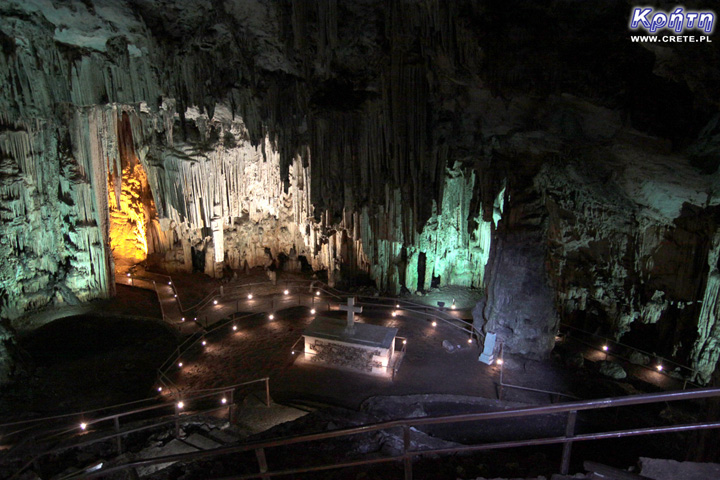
{"x":410,"y":142}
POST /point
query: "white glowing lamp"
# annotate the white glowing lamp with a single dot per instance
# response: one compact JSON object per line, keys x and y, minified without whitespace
{"x":169,"y":283}
{"x":249,"y":296}
{"x":285,"y":292}
{"x":499,"y":361}
{"x":175,"y":295}
{"x":659,"y":367}
{"x":271,"y":316}
{"x":397,"y":305}
{"x":404,"y":342}
{"x":182,"y":319}
{"x":469,"y":340}
{"x":83,"y":426}
{"x":317,"y":293}
{"x":180,"y":364}
{"x":223,"y":400}
{"x":128,"y":274}
{"x":312,"y":311}
{"x":204,"y":342}
{"x":159,"y":389}
{"x":605,"y":348}
{"x":434,"y":324}
{"x":394,"y":314}
{"x":214,"y":302}
{"x":180,"y":405}
{"x":234,"y":327}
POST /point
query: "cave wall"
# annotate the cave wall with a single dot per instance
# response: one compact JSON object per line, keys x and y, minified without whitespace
{"x":371,"y":137}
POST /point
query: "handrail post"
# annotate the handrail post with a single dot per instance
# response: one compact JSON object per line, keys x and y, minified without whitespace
{"x":267,"y":391}
{"x":117,"y":430}
{"x":231,"y":405}
{"x":262,"y":462}
{"x":567,"y":446}
{"x":177,"y":421}
{"x":407,"y":460}
{"x":502,"y":367}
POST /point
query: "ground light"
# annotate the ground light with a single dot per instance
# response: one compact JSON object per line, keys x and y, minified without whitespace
{"x":499,"y":361}
{"x":249,"y":296}
{"x":180,"y":405}
{"x":234,"y":327}
{"x":204,"y":342}
{"x":128,"y":275}
{"x":469,"y":340}
{"x":434,"y":324}
{"x":404,"y":342}
{"x":659,"y":367}
{"x":223,"y":401}
{"x":394,"y":314}
{"x":271,"y":316}
{"x":83,"y":426}
{"x":180,"y":364}
{"x":159,"y":389}
{"x":182,"y":319}
{"x":317,"y":293}
{"x":285,"y":292}
{"x":312,"y":311}
{"x":214,"y":302}
{"x":169,"y":283}
{"x":605,"y":348}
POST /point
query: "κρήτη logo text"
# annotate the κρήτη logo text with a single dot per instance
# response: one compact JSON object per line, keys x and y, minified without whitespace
{"x":677,"y":20}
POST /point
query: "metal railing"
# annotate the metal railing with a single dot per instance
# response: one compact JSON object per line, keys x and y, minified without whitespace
{"x":502,"y":384}
{"x":180,"y":409}
{"x":570,"y":410}
{"x":273,"y":302}
{"x":614,"y":348}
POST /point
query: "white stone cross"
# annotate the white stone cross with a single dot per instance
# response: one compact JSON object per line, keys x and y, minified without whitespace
{"x":351,"y":310}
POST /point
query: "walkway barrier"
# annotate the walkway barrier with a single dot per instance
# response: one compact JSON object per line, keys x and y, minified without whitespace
{"x":569,"y":411}
{"x":104,"y":424}
{"x":610,"y":347}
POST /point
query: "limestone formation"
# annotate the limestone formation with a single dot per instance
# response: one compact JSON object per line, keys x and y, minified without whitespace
{"x":397,"y":142}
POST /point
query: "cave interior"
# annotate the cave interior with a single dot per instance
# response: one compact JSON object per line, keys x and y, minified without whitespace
{"x":531,"y":157}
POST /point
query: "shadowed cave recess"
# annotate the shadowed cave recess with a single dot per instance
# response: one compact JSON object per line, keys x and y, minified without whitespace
{"x":570,"y":177}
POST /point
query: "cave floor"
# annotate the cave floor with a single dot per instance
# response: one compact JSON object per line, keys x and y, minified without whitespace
{"x":262,"y":348}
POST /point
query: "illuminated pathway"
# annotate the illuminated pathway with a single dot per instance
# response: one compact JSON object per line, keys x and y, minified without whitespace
{"x":256,"y":345}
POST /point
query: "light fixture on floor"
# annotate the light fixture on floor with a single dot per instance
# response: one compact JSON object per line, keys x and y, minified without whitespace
{"x":180,"y":364}
{"x":180,"y":405}
{"x":271,"y":316}
{"x":286,"y":291}
{"x":249,"y":296}
{"x":223,"y":400}
{"x":312,"y":311}
{"x":234,"y":327}
{"x":214,"y":302}
{"x":434,"y":324}
{"x":83,"y":426}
